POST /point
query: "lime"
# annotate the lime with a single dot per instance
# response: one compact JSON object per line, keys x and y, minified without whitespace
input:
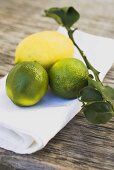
{"x":45,"y":47}
{"x":27,"y":83}
{"x":67,"y":77}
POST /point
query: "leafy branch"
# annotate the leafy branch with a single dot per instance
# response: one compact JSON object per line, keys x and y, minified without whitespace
{"x":97,"y":99}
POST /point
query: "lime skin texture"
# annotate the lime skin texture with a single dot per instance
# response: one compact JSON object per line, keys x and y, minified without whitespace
{"x":27,"y":83}
{"x":67,"y":77}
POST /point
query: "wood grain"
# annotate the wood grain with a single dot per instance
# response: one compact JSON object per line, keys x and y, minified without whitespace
{"x":80,"y":145}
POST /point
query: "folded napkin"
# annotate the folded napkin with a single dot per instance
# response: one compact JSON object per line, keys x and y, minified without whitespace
{"x":25,"y":130}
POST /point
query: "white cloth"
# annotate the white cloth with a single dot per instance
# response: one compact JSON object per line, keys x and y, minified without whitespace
{"x":28,"y":129}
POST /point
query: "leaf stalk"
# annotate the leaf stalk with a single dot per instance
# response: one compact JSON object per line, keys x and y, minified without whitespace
{"x":88,"y":64}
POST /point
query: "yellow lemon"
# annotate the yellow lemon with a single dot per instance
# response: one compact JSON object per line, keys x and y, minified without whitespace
{"x":45,"y":47}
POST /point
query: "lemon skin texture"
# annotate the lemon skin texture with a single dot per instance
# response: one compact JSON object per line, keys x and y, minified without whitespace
{"x":67,"y":77}
{"x":27,"y":83}
{"x":45,"y":47}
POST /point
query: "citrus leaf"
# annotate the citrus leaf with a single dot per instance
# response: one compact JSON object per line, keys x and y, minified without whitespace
{"x":90,"y":94}
{"x":108,"y":93}
{"x":66,"y":16}
{"x":95,"y":84}
{"x":98,"y":112}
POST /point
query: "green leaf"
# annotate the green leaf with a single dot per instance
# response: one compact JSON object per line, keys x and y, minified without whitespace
{"x":66,"y":16}
{"x":98,"y":112}
{"x":90,"y":94}
{"x":108,"y":93}
{"x":95,"y":84}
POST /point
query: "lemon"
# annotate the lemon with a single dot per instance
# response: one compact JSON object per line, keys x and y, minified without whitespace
{"x":67,"y":77}
{"x":27,"y":83}
{"x":45,"y":47}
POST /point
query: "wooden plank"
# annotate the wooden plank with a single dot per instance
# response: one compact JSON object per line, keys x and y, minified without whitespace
{"x":80,"y":145}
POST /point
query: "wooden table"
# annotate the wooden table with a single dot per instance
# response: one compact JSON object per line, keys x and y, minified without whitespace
{"x":80,"y":145}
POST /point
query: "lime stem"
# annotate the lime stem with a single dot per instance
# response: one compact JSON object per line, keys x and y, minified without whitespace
{"x":88,"y":64}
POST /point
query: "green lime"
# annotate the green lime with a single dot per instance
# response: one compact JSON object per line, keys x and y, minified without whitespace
{"x":27,"y":83}
{"x":67,"y":77}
